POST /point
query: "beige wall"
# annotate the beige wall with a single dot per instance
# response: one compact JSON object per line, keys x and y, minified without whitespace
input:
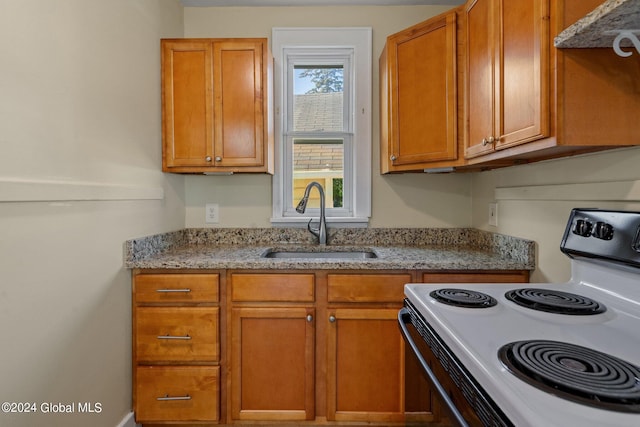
{"x":414,"y":200}
{"x":533,"y":217}
{"x":79,"y":118}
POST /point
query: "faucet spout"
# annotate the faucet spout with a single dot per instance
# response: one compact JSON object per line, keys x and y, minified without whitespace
{"x":321,"y":231}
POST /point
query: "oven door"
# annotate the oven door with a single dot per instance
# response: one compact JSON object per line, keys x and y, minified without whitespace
{"x":462,"y":400}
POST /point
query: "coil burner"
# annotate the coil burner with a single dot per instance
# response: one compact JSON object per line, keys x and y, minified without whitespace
{"x":552,"y":301}
{"x":575,"y":373}
{"x":463,"y":298}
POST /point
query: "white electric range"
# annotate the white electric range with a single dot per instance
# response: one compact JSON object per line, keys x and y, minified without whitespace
{"x":542,"y":354}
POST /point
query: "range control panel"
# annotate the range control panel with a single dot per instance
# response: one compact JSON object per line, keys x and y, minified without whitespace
{"x":605,"y":234}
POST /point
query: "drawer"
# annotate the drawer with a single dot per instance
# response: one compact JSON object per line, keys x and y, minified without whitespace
{"x":367,"y":287}
{"x":273,"y":287}
{"x":177,"y":334}
{"x":176,"y":288}
{"x":177,"y":393}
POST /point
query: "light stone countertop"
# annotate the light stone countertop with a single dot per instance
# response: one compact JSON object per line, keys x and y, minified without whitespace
{"x":396,"y":249}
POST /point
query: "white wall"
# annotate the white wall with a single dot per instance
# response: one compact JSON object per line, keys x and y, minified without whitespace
{"x":79,"y":118}
{"x":543,"y":219}
{"x":413,"y":200}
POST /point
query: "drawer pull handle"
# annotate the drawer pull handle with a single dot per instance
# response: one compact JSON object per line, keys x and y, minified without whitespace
{"x":174,"y":337}
{"x":173,"y":290}
{"x":169,"y":398}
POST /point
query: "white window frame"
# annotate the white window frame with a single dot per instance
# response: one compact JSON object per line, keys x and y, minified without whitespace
{"x":349,"y":46}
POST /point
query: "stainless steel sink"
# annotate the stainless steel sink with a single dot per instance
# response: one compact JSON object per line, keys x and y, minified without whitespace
{"x":357,"y":254}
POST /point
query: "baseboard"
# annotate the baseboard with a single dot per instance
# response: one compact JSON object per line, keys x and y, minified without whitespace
{"x":128,"y":421}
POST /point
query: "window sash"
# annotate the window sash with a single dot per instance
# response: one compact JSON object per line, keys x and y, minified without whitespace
{"x":319,"y":57}
{"x":348,"y":182}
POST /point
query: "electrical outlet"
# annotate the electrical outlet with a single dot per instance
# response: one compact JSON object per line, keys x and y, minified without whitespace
{"x":211,"y":213}
{"x":493,"y":214}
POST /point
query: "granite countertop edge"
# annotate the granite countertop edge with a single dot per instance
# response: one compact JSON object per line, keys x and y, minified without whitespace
{"x":396,"y":249}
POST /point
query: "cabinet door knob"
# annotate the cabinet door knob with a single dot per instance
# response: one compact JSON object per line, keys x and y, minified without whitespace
{"x":218,"y":159}
{"x":488,"y":141}
{"x":309,"y":318}
{"x":208,"y":158}
{"x":393,"y":158}
{"x":332,"y":319}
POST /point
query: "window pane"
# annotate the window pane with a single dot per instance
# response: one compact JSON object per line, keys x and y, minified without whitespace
{"x":318,"y":98}
{"x":321,"y":161}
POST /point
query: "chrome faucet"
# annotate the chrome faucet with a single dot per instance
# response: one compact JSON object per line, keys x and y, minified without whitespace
{"x":321,"y":232}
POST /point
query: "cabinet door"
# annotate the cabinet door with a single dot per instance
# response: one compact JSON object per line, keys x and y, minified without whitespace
{"x":239,"y":98}
{"x":507,"y":99}
{"x":482,"y":74}
{"x":187,"y":106}
{"x":365,"y":371}
{"x":272,"y":363}
{"x":422,"y":118}
{"x":524,"y":74}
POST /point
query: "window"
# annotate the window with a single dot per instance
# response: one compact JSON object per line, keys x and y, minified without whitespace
{"x":323,"y":123}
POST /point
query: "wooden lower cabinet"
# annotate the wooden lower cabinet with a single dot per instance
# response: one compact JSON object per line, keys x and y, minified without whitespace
{"x":177,"y":393}
{"x":272,"y":365}
{"x":365,"y":350}
{"x":271,"y":347}
{"x":176,"y":348}
{"x":365,"y":375}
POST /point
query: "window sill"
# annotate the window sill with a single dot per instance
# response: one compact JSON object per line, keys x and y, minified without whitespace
{"x":302,"y":221}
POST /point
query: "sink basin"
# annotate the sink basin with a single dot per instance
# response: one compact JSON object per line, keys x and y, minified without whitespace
{"x":364,"y":254}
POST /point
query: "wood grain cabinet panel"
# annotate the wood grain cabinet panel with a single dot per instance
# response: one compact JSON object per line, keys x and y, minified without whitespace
{"x":272,"y":363}
{"x":272,"y":287}
{"x":365,"y":366}
{"x":176,"y":348}
{"x":187,"y":334}
{"x":377,"y":288}
{"x":507,"y":68}
{"x":177,"y":288}
{"x":299,"y":346}
{"x":177,"y":393}
{"x":526,"y":100}
{"x":216,"y":105}
{"x":418,"y":96}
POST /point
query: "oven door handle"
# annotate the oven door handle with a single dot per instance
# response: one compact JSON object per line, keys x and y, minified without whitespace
{"x":403,"y":319}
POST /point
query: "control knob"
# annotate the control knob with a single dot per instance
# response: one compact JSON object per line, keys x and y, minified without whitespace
{"x":603,"y":231}
{"x":583,"y":228}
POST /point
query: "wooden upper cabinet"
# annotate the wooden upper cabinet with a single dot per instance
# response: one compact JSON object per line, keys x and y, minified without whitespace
{"x":216,"y":106}
{"x":418,"y":96}
{"x":507,"y":69}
